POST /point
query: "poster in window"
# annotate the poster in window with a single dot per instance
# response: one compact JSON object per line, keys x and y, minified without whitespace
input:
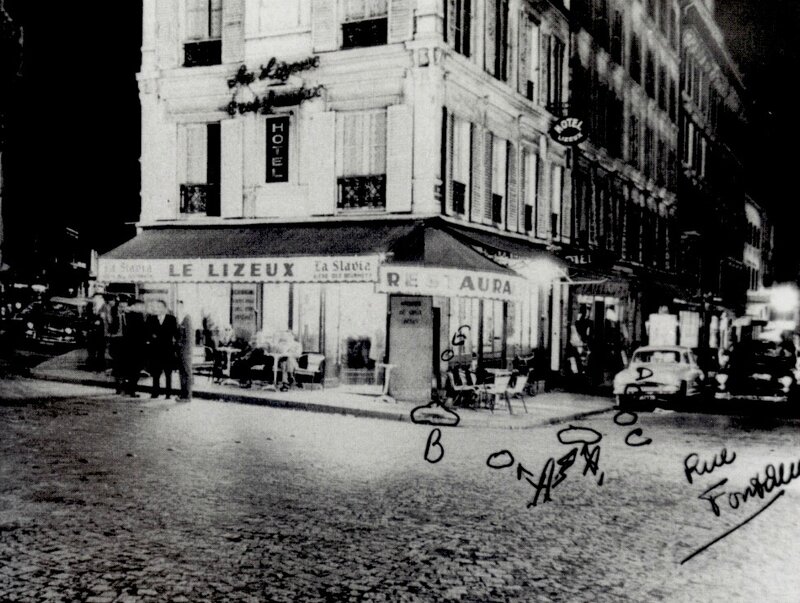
{"x":278,"y":149}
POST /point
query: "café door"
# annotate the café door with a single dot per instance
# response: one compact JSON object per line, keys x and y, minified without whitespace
{"x":411,"y":347}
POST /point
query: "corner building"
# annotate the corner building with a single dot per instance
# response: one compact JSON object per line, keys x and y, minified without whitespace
{"x":371,"y":175}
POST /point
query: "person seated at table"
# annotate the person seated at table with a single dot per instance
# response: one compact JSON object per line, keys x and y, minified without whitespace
{"x":255,"y":355}
{"x":289,"y":346}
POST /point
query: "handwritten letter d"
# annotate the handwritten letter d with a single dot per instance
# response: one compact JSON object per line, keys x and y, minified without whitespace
{"x":434,"y":451}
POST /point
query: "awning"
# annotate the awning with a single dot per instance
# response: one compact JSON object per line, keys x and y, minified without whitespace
{"x":499,"y":244}
{"x":335,"y":251}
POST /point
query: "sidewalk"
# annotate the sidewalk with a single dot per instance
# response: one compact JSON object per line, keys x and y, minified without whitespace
{"x":543,"y":409}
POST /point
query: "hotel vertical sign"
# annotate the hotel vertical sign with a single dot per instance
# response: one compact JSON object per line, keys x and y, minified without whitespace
{"x":278,"y":149}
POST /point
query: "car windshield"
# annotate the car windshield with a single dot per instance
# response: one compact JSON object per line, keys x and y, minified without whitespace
{"x":64,"y":309}
{"x":657,"y":356}
{"x":762,"y":355}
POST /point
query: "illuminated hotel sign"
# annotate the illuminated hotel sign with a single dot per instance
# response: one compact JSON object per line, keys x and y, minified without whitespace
{"x":569,"y":131}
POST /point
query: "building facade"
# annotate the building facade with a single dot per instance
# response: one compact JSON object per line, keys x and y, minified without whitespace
{"x":712,"y":192}
{"x":391,"y":179}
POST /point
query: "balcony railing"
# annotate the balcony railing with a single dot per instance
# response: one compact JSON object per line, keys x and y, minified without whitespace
{"x":202,"y":53}
{"x":199,"y":199}
{"x":362,"y":192}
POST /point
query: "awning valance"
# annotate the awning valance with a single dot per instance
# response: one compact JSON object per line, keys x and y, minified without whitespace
{"x":335,"y":251}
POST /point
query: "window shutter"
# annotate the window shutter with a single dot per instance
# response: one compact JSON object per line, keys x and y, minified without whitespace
{"x":488,"y":145}
{"x":232,"y":176}
{"x":523,"y":51}
{"x":512,"y":192}
{"x":477,"y":177}
{"x":450,"y":22}
{"x":324,"y":25}
{"x":322,"y":185}
{"x":166,"y":33}
{"x":544,"y":72}
{"x":566,"y":210}
{"x":233,"y":31}
{"x":399,"y":143}
{"x":490,"y":44}
{"x":401,"y":20}
{"x":542,"y":206}
{"x":448,"y":148}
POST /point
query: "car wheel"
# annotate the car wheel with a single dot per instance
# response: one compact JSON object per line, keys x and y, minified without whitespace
{"x":624,"y":403}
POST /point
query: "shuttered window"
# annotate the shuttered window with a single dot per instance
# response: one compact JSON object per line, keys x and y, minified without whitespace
{"x":499,"y":172}
{"x":458,"y":26}
{"x":557,"y":198}
{"x":528,"y":65}
{"x":461,"y":164}
{"x":365,"y":23}
{"x":530,"y":180}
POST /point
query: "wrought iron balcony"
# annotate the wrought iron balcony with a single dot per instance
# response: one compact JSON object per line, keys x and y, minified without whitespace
{"x":199,"y":199}
{"x":362,"y":192}
{"x":202,"y":53}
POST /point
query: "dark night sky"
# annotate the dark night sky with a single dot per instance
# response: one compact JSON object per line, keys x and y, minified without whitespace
{"x":76,"y":139}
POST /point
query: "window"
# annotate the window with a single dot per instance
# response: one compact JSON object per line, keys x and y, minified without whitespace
{"x":496,"y":51}
{"x":459,"y":25}
{"x":648,"y":152}
{"x":555,"y":73}
{"x":529,"y":59}
{"x":365,"y":23}
{"x":672,"y":101}
{"x":650,"y":74}
{"x":633,"y":141}
{"x":361,"y":159}
{"x":199,"y":188}
{"x":636,"y":58}
{"x":203,"y":33}
{"x":530,"y":179}
{"x":557,"y":192}
{"x":499,"y":159}
{"x":461,"y":164}
{"x":617,"y":38}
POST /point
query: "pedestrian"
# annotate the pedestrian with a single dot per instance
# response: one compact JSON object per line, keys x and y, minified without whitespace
{"x":184,"y":353}
{"x":134,"y":346}
{"x":290,"y":349}
{"x":99,"y":322}
{"x":116,"y":346}
{"x":162,"y":330}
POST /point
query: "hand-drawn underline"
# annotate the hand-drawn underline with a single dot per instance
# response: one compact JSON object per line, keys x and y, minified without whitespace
{"x":736,"y":527}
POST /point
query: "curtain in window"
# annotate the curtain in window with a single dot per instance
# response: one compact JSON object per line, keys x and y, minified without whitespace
{"x":361,"y":143}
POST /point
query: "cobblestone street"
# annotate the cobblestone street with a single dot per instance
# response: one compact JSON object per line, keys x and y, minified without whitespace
{"x":105,"y":499}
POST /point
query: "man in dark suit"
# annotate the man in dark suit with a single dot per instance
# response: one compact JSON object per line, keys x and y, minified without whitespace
{"x":134,"y":345}
{"x":185,"y":348}
{"x":162,"y":329}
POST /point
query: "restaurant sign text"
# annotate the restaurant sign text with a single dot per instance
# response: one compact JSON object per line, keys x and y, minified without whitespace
{"x":449,"y":282}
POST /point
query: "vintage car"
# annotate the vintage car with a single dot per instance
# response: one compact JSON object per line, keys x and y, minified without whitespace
{"x":59,"y":321}
{"x":659,"y":373}
{"x":759,"y":370}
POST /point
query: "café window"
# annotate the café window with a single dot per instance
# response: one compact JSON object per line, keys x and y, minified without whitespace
{"x":461,"y":164}
{"x":199,"y":190}
{"x":361,"y":159}
{"x":203,"y":44}
{"x":364,"y":23}
{"x":459,"y":25}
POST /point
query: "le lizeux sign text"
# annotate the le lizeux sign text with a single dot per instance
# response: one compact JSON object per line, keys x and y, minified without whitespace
{"x":344,"y":269}
{"x":569,"y":131}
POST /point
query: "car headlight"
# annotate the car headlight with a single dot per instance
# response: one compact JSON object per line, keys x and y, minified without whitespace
{"x":786,"y":382}
{"x":29,"y":325}
{"x":68,"y":331}
{"x":722,"y":379}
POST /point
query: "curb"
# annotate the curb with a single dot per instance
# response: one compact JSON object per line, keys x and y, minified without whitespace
{"x":318,"y":408}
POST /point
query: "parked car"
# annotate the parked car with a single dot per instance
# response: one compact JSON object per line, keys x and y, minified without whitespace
{"x":659,"y":373}
{"x":758,"y":370}
{"x":59,"y":321}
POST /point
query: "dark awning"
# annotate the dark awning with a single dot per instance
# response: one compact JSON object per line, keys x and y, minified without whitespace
{"x":333,"y":251}
{"x":497,"y":243}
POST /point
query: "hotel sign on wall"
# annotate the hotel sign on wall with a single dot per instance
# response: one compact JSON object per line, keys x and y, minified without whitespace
{"x":278,"y":149}
{"x":449,"y":282}
{"x":344,"y":269}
